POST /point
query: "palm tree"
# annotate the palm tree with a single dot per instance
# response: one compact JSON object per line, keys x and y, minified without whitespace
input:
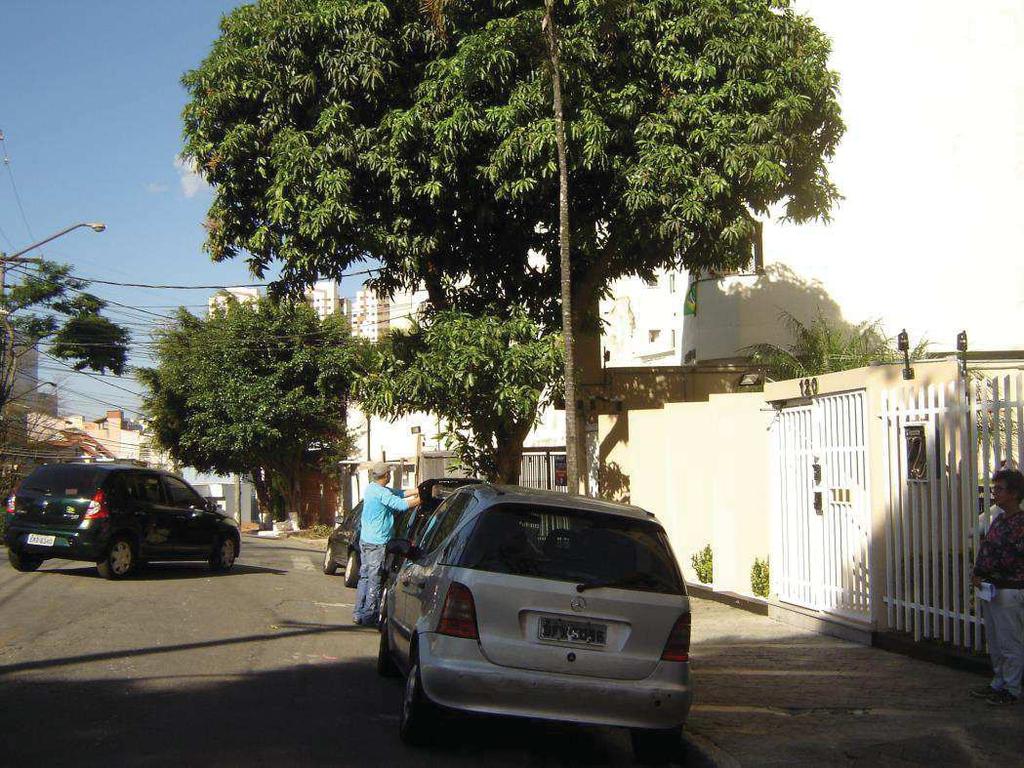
{"x":825,"y":346}
{"x":435,"y":11}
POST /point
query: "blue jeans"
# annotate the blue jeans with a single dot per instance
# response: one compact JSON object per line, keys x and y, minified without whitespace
{"x":371,"y":556}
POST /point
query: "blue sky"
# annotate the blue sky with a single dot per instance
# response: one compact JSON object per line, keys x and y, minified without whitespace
{"x":90,"y":109}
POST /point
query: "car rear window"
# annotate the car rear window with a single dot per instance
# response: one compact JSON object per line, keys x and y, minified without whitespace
{"x":70,"y":480}
{"x":573,"y":545}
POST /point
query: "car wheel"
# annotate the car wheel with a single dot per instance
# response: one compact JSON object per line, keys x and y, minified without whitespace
{"x":386,"y":666}
{"x":22,"y":562}
{"x":224,"y":554}
{"x":656,"y":746}
{"x":419,"y":714}
{"x":352,"y":569}
{"x":330,"y":567}
{"x":120,"y":560}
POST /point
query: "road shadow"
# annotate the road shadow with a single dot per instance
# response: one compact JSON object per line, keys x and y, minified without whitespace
{"x":338,"y":713}
{"x":160,"y":571}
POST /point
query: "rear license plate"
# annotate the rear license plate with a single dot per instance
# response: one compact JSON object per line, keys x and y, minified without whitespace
{"x":578,"y":632}
{"x":39,"y":540}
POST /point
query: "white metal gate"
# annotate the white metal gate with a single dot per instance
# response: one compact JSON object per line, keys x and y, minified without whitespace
{"x":823,"y":510}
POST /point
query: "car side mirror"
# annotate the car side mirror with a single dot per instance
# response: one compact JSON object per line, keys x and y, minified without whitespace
{"x":403,"y":548}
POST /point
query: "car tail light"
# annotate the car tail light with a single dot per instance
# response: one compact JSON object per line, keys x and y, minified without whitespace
{"x":458,"y":616}
{"x":97,"y":507}
{"x":11,"y":501}
{"x":677,"y":647}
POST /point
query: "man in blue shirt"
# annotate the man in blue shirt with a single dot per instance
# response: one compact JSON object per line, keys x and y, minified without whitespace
{"x":375,"y":526}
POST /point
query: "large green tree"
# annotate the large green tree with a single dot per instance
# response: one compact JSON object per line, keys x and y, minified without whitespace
{"x":486,"y":377}
{"x":337,"y":130}
{"x":260,"y":389}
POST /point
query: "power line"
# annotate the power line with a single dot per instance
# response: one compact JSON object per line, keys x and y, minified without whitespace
{"x":14,"y":186}
{"x":207,"y":287}
{"x":91,"y":376}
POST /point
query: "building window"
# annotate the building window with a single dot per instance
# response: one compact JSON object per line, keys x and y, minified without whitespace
{"x":653,"y":335}
{"x":672,"y":282}
{"x":673,"y":338}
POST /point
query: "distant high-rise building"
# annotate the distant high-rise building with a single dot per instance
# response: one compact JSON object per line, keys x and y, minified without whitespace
{"x":325,"y":299}
{"x":241,"y":294}
{"x":373,"y":316}
{"x":369,"y":315}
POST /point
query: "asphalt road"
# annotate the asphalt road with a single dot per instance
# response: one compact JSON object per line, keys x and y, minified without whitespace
{"x":259,"y":666}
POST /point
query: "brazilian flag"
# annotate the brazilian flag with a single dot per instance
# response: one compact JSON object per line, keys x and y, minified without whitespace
{"x":690,"y":305}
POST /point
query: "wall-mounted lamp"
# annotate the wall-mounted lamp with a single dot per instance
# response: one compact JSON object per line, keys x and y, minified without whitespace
{"x":961,"y":353}
{"x":414,"y":430}
{"x":903,"y":344}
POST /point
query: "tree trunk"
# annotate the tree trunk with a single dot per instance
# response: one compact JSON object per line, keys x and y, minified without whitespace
{"x":259,"y":482}
{"x":293,"y":498}
{"x":571,"y":427}
{"x":509,"y":455}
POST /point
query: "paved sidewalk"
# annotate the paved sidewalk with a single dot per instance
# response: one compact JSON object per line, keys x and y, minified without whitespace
{"x":769,"y":694}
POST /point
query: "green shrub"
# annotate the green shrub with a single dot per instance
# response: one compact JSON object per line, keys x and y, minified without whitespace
{"x":3,"y":525}
{"x":760,"y":581}
{"x":702,"y":562}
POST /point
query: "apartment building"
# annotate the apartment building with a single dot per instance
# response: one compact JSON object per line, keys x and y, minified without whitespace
{"x":326,"y":300}
{"x":241,"y":294}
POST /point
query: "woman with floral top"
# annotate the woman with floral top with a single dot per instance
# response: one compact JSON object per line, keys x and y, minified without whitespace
{"x":1000,"y":562}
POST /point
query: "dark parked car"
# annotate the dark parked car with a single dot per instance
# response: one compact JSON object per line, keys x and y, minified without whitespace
{"x":343,"y":545}
{"x":117,"y":516}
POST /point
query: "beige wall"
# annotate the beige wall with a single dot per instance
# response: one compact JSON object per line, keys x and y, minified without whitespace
{"x":702,"y":468}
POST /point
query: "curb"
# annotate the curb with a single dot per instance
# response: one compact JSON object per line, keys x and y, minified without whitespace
{"x":732,"y":599}
{"x":310,"y":543}
{"x":897,"y":642}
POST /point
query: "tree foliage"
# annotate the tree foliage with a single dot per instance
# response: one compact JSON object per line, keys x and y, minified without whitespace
{"x":334,"y":130}
{"x":260,"y":389}
{"x":824,"y":346}
{"x":486,"y":377}
{"x":48,"y":304}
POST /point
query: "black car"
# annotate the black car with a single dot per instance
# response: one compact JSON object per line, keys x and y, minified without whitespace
{"x":343,"y":545}
{"x":116,"y":516}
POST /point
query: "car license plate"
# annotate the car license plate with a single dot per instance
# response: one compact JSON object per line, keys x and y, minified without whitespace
{"x":39,"y":540}
{"x":578,"y":632}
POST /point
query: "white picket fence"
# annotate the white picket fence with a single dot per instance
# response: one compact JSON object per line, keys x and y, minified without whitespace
{"x":942,"y":445}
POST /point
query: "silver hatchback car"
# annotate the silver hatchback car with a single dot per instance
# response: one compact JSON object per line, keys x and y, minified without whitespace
{"x":537,"y":604}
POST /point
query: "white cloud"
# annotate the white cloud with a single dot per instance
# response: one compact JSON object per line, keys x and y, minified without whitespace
{"x":156,"y":188}
{"x":191,"y":182}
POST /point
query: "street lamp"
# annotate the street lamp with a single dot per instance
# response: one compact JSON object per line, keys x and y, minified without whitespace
{"x":13,"y":258}
{"x":95,"y":226}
